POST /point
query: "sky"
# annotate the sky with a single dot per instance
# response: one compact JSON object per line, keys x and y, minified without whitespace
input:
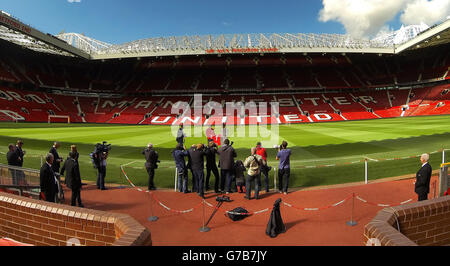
{"x":120,"y":21}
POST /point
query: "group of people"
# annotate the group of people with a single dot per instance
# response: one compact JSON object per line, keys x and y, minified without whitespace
{"x":15,"y":158}
{"x":50,"y":175}
{"x":232,"y":176}
{"x":50,"y":172}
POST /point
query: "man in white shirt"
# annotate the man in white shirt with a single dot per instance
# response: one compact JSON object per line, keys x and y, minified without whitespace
{"x":224,"y":133}
{"x":180,"y":135}
{"x":423,"y":177}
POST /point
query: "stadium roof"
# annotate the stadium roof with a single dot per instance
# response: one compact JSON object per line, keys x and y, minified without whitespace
{"x":74,"y":44}
{"x":12,"y":30}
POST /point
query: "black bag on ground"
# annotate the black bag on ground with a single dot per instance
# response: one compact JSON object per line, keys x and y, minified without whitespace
{"x":237,"y":214}
{"x":275,"y":225}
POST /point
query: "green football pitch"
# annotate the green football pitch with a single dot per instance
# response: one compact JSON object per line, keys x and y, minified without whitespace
{"x":322,"y":153}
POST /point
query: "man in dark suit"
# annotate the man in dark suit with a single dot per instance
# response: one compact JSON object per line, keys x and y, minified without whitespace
{"x":226,"y":162}
{"x":13,"y":160}
{"x":49,"y":185}
{"x":182,"y":176}
{"x":73,"y":178}
{"x":197,"y":163}
{"x":211,"y":165}
{"x":423,"y":176}
{"x":57,"y":160}
{"x":151,"y":163}
{"x":20,"y":175}
{"x":20,"y":152}
{"x":189,"y":168}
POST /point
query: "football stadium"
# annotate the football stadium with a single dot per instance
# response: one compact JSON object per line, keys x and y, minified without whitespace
{"x":357,"y":116}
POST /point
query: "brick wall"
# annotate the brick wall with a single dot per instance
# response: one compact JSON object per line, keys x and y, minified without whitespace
{"x":425,"y":223}
{"x":48,"y":224}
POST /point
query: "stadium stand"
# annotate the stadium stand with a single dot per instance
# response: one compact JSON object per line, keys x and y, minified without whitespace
{"x":36,"y":106}
{"x":313,"y":87}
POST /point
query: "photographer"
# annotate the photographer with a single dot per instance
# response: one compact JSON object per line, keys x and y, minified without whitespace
{"x":189,"y":168}
{"x":211,"y":165}
{"x":182,"y":179}
{"x":197,"y":153}
{"x":99,"y":157}
{"x":284,"y":171}
{"x":151,"y":158}
{"x":226,"y":162}
{"x":102,"y":170}
{"x":264,"y":168}
{"x":254,"y":163}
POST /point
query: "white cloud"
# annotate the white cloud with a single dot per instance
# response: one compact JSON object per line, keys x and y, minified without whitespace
{"x":360,"y":18}
{"x":74,"y":1}
{"x":429,"y":12}
{"x":365,"y":18}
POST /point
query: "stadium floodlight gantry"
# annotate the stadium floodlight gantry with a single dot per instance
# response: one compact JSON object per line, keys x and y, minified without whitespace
{"x":235,"y":43}
{"x":389,"y":43}
{"x":89,"y":45}
{"x":29,"y":42}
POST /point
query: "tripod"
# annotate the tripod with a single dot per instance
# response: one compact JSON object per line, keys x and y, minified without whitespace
{"x":214,"y":212}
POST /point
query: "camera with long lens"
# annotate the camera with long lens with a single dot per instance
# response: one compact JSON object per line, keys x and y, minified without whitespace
{"x":101,"y":149}
{"x":223,"y":198}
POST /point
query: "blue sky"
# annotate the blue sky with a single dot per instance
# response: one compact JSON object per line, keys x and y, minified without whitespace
{"x":122,"y":21}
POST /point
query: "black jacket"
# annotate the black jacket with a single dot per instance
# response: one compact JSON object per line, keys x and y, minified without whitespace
{"x":20,"y":154}
{"x":47,"y":180}
{"x":13,"y":158}
{"x":197,"y":161}
{"x":56,"y":165}
{"x":178,"y":156}
{"x":423,"y":177}
{"x":275,"y":225}
{"x":226,"y":155}
{"x":151,"y":158}
{"x":73,"y":177}
{"x":210,"y":153}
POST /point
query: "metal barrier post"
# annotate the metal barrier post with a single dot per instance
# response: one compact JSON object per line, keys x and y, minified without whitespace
{"x":275,"y":175}
{"x":365,"y":170}
{"x":351,"y":222}
{"x":443,"y":155}
{"x":176,"y":178}
{"x":152,"y":218}
{"x":434,"y":189}
{"x":204,"y":228}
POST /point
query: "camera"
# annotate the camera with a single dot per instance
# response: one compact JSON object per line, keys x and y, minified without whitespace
{"x":102,"y":147}
{"x":223,"y":198}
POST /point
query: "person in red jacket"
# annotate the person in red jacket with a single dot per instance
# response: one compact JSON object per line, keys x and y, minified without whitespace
{"x":264,"y":169}
{"x":446,"y":193}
